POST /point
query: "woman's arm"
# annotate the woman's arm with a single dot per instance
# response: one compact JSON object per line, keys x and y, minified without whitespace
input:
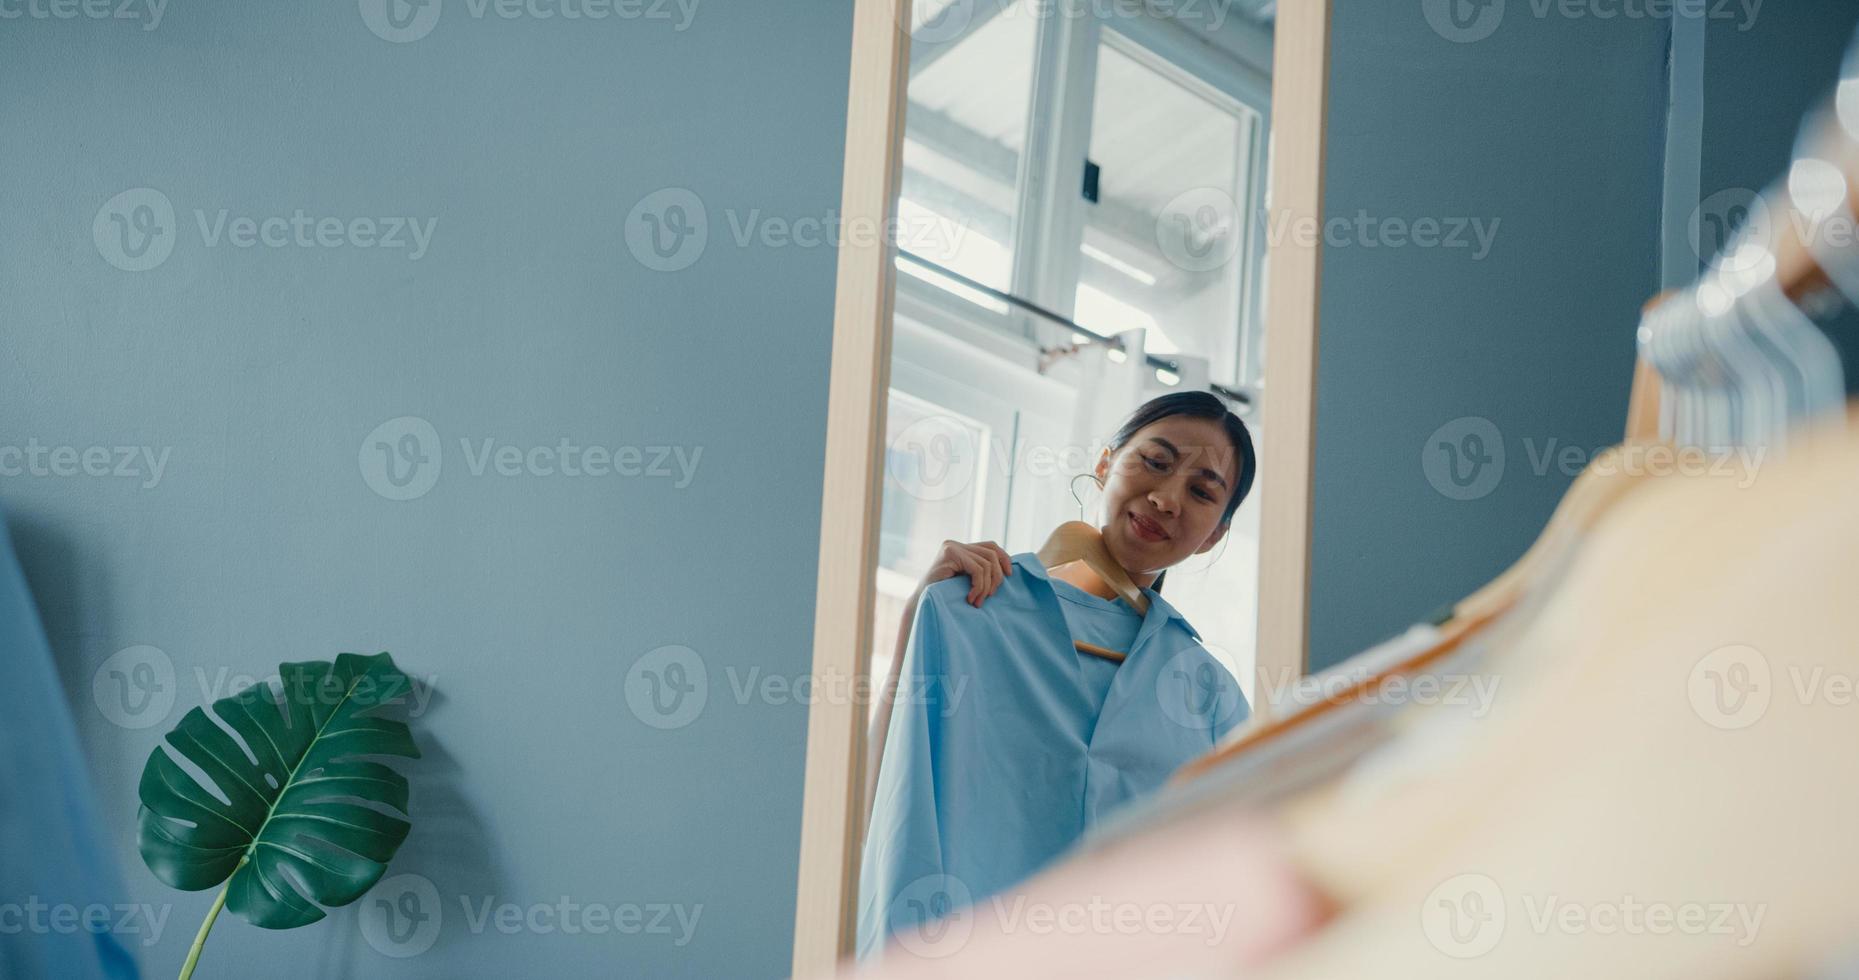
{"x":986,"y":564}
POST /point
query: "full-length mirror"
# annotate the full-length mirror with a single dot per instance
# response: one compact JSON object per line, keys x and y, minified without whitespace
{"x":1066,"y":597}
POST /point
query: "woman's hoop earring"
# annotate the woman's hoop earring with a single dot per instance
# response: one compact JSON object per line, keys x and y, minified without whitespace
{"x":1074,"y":491}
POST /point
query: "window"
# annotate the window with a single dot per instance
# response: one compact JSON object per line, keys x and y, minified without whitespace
{"x":1117,"y":185}
{"x":934,"y":472}
{"x":971,"y":72}
{"x":938,"y":484}
{"x":1163,"y":244}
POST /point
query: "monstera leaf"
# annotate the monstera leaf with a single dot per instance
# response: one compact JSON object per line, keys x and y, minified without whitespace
{"x":289,"y":800}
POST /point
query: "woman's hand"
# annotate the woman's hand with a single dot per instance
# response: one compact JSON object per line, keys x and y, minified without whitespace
{"x":986,"y":564}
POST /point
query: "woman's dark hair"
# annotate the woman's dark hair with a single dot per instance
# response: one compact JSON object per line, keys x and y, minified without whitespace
{"x":1200,"y":405}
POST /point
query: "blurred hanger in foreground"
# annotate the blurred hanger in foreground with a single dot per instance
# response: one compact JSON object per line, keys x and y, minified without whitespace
{"x":1733,"y":362}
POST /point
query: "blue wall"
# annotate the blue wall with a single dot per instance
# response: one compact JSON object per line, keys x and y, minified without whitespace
{"x":1552,"y":127}
{"x":521,"y":145}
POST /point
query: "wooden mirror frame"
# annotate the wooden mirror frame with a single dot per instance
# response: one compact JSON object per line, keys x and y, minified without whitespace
{"x":832,"y":810}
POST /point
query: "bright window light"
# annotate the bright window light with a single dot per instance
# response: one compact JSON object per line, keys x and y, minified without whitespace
{"x":1108,"y":314}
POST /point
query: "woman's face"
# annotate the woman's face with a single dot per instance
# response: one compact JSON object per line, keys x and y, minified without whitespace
{"x":1165,"y":491}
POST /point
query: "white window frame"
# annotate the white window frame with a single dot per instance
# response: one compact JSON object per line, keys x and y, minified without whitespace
{"x":1048,"y":229}
{"x":1220,"y":78}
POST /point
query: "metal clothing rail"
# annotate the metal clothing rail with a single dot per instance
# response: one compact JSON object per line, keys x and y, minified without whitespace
{"x":1165,"y":363}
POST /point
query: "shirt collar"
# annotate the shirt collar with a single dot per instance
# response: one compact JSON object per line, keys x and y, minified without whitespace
{"x":1030,"y":561}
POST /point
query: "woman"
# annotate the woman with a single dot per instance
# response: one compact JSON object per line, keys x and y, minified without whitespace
{"x":1172,"y":477}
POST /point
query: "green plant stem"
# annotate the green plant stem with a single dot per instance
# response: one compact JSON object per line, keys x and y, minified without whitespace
{"x":200,"y":938}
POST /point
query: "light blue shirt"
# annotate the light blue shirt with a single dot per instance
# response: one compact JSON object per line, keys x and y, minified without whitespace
{"x":56,"y":865}
{"x":1006,"y":743}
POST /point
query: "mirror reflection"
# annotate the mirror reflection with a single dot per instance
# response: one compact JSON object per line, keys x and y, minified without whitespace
{"x":1067,"y":574}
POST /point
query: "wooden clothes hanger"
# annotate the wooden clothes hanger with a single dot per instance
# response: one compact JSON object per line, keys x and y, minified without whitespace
{"x":1688,"y":797}
{"x":1648,"y":597}
{"x":1077,"y":541}
{"x":1601,"y":485}
{"x":1594,"y":491}
{"x":1798,"y":271}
